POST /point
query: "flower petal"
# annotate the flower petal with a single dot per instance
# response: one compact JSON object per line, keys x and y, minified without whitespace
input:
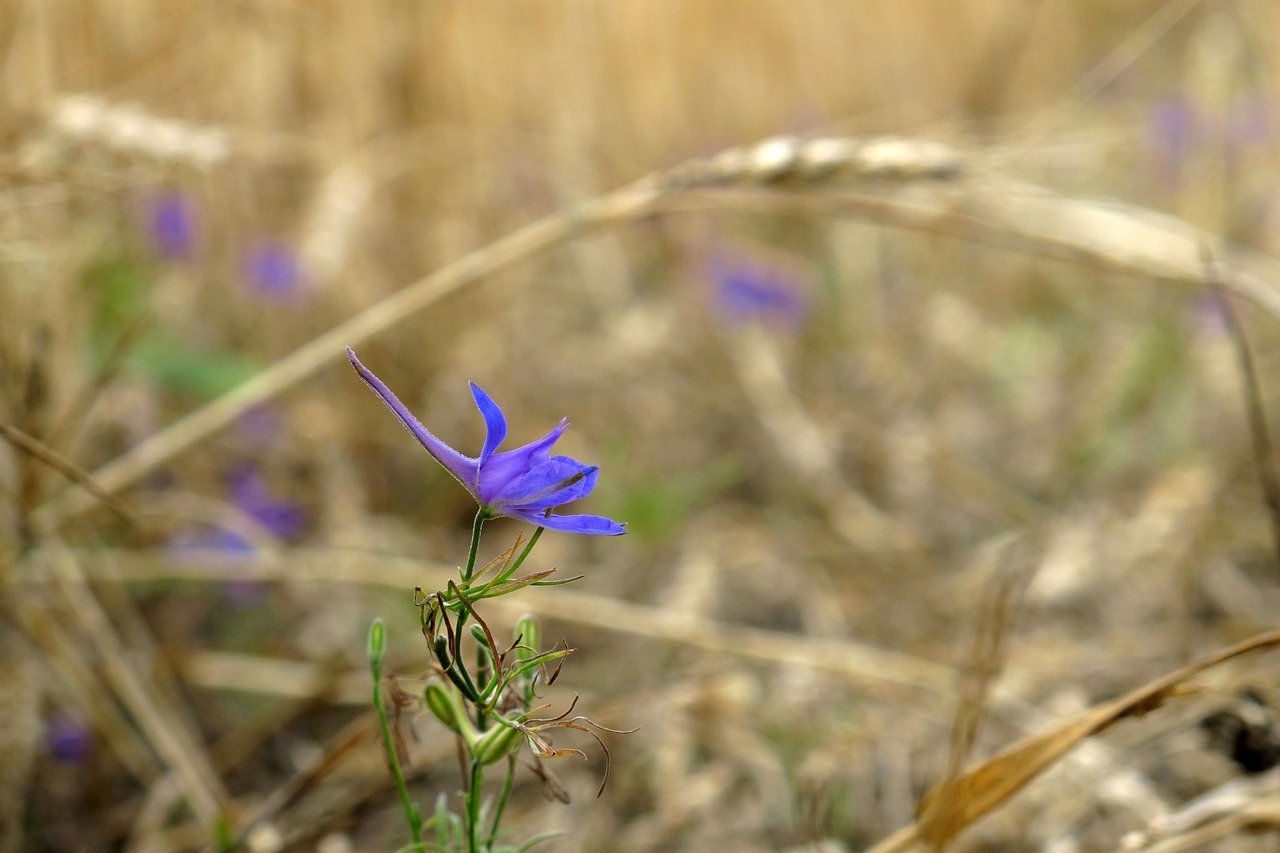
{"x":569,"y":492}
{"x":591,"y":525}
{"x":463,"y":468}
{"x":555,"y":482}
{"x":495,"y":423}
{"x":501,"y":469}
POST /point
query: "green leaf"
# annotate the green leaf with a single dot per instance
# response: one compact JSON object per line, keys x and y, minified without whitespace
{"x":188,"y":371}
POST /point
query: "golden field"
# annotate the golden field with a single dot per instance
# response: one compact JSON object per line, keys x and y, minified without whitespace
{"x":913,"y":341}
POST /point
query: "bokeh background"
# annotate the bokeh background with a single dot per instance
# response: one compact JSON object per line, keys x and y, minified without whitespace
{"x":846,"y":444}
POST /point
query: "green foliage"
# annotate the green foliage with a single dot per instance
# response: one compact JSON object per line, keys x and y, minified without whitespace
{"x":184,"y":370}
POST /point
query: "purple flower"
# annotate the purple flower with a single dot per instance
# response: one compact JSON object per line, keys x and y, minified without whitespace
{"x":746,"y":292}
{"x":523,"y":483}
{"x":172,"y":222}
{"x":274,"y":271}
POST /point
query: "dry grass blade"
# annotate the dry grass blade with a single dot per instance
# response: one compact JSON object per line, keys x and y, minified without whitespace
{"x":19,"y":708}
{"x":1023,"y":217}
{"x":876,"y":671}
{"x":969,"y":797}
{"x":164,"y":729}
{"x":1253,"y":815}
{"x":984,"y":664}
{"x":1263,"y":451}
{"x":356,"y":732}
{"x":39,"y":450}
{"x":802,"y":444}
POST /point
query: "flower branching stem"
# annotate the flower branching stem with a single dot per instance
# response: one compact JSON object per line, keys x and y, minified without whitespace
{"x":489,"y":706}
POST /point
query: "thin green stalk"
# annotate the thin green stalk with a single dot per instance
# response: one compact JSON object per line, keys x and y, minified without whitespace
{"x":482,"y":515}
{"x":502,"y":800}
{"x":459,"y":663}
{"x":223,"y":838}
{"x":473,"y":808}
{"x":377,"y":652}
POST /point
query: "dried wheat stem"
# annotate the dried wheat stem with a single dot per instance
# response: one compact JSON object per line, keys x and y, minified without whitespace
{"x":129,"y":128}
{"x":1018,"y":216}
{"x":873,"y":670}
{"x":900,"y":192}
{"x":77,"y":678}
{"x":804,"y":446}
{"x":39,"y":450}
{"x":177,"y":747}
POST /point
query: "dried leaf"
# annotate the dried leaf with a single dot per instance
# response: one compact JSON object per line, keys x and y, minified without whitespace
{"x":956,"y":804}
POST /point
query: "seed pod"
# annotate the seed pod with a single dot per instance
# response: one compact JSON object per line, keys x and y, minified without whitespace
{"x":441,"y":648}
{"x":496,"y":744}
{"x":526,"y":637}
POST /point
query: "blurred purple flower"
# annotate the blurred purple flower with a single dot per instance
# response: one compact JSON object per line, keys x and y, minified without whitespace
{"x":216,"y":541}
{"x":274,"y":272}
{"x":1172,"y":130}
{"x":68,"y":739}
{"x":242,"y":593}
{"x":1250,"y":122}
{"x":523,"y":483}
{"x":1176,"y":128}
{"x":172,"y":221}
{"x":228,"y":548}
{"x":747,"y":292}
{"x":250,"y":494}
{"x":1210,"y":316}
{"x":260,"y":425}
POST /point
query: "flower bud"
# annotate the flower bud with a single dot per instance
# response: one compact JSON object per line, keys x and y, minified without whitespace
{"x":377,"y":645}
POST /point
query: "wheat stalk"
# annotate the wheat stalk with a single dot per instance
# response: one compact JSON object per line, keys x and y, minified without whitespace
{"x":912,"y":185}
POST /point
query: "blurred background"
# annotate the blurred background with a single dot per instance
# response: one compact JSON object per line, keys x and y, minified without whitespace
{"x":845,"y":444}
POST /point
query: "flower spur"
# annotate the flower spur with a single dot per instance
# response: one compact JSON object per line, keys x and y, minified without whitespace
{"x":525,"y":483}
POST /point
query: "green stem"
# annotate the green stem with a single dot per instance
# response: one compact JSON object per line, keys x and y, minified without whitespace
{"x":473,"y":808}
{"x":482,"y":515}
{"x":411,"y":813}
{"x":483,"y":674}
{"x":502,"y":800}
{"x":459,"y":663}
{"x":462,"y":680}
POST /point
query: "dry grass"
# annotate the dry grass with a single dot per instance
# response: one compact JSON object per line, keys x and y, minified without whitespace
{"x":1010,"y":412}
